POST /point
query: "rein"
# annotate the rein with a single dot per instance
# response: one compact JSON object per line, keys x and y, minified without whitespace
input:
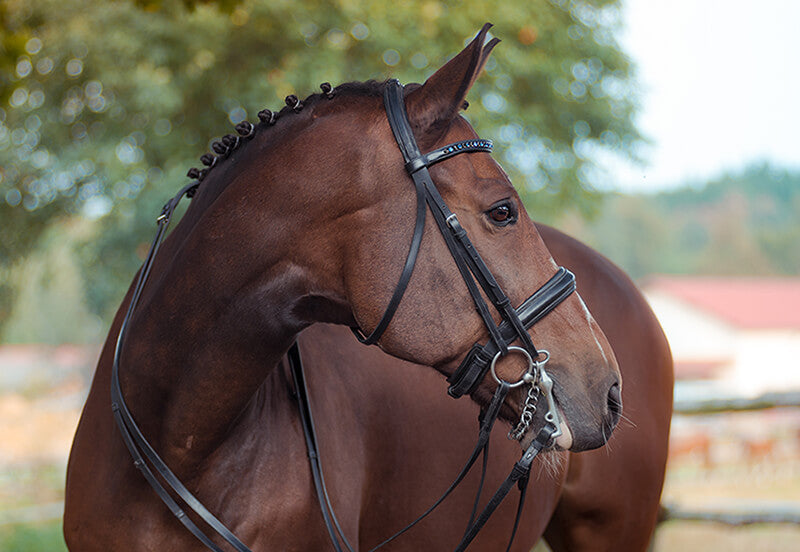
{"x":480,"y":359}
{"x":136,"y":442}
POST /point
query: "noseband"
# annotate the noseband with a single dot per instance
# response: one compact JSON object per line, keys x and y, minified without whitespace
{"x":479,"y":360}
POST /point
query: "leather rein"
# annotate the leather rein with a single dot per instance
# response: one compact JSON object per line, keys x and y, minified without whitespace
{"x":480,"y":359}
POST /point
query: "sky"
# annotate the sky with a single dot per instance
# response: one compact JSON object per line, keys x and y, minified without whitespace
{"x":719,"y":88}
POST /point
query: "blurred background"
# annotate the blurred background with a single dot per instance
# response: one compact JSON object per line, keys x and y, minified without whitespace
{"x":662,"y":134}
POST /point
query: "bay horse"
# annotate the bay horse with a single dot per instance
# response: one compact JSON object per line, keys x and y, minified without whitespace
{"x":306,"y":221}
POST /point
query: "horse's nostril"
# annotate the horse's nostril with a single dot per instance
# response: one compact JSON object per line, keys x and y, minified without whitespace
{"x":614,"y":405}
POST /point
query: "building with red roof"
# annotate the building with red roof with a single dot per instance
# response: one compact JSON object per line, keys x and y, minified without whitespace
{"x":742,"y":335}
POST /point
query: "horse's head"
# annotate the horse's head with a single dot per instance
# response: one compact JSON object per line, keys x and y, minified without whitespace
{"x":343,"y":210}
{"x":436,"y":321}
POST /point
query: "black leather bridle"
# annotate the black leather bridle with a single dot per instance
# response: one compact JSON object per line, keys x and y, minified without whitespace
{"x":514,"y":326}
{"x":470,"y":264}
{"x":475,"y":273}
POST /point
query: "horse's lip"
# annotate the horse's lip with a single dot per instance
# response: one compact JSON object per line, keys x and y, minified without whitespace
{"x":563,"y":441}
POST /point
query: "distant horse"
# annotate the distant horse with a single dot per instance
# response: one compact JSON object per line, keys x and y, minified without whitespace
{"x":695,"y":445}
{"x":306,"y":220}
{"x":759,"y":451}
{"x":606,"y":499}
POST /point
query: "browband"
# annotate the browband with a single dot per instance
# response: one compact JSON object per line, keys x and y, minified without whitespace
{"x":465,"y":146}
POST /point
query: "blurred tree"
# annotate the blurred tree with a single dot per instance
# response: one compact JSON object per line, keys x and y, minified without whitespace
{"x":49,"y":305}
{"x":106,"y":99}
{"x":745,"y":223}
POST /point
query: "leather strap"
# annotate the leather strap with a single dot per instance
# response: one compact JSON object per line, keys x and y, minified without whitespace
{"x":416,"y":165}
{"x":309,"y":431}
{"x":469,"y":262}
{"x":520,"y":472}
{"x":475,"y":365}
{"x":445,"y":219}
{"x":492,"y":412}
{"x":476,"y":502}
{"x":405,"y":276}
{"x":445,"y":152}
{"x":140,"y":449}
{"x":473,"y":269}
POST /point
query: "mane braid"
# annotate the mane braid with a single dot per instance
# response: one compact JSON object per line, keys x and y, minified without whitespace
{"x":247,"y":130}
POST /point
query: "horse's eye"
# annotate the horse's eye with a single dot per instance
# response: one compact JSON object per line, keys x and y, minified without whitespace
{"x":502,"y":214}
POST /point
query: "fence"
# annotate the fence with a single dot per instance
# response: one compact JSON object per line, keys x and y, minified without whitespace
{"x":765,"y":513}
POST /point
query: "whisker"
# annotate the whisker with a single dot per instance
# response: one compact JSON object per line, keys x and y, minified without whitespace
{"x":551,"y":463}
{"x":606,"y":439}
{"x":628,"y":421}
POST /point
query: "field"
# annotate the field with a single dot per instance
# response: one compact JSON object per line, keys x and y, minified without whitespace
{"x":39,"y":416}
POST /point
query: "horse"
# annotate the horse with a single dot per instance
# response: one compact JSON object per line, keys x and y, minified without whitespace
{"x":606,"y":499}
{"x":301,"y":221}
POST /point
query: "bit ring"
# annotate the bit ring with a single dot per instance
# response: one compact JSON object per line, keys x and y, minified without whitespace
{"x":529,"y":376}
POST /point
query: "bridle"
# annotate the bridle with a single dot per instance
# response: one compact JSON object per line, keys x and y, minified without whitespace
{"x":480,"y":359}
{"x":470,"y":264}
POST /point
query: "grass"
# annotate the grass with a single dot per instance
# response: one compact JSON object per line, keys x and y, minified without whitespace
{"x":39,"y":537}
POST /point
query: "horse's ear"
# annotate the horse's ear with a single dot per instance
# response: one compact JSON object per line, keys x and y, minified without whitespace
{"x":432,"y":106}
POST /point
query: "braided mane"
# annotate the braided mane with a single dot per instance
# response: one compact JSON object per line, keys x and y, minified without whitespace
{"x":246,"y":130}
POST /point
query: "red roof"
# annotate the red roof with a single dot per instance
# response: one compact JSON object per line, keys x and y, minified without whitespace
{"x":756,"y":303}
{"x":699,"y":369}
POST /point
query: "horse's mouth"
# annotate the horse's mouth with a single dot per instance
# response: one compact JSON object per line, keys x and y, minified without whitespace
{"x":562,"y":442}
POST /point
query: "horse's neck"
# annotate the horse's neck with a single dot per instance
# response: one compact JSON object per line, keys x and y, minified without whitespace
{"x":212,"y":324}
{"x":186,"y":387}
{"x":242,"y":274}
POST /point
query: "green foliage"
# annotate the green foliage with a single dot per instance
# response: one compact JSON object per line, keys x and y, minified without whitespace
{"x":739,"y":224}
{"x":106,"y":100}
{"x":50,"y":305}
{"x":41,"y":537}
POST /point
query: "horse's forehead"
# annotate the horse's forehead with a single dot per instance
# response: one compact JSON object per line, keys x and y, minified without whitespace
{"x":366,"y":118}
{"x":481,"y":167}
